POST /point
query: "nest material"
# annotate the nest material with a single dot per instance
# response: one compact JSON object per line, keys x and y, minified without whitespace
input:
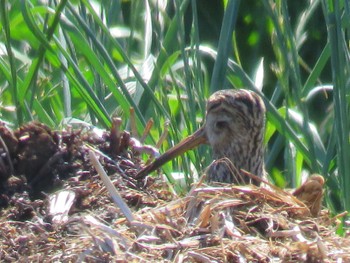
{"x":212,"y":224}
{"x":224,"y":223}
{"x":241,"y":224}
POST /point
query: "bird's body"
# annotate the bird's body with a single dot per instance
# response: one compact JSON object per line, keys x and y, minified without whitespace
{"x":234,"y":128}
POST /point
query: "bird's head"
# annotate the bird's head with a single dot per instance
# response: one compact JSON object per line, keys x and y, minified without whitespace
{"x":234,"y":128}
{"x":234,"y":119}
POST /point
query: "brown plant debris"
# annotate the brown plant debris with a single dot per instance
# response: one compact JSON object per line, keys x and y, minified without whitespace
{"x":55,"y":208}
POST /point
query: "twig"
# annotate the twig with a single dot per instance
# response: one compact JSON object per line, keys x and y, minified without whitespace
{"x":110,"y":187}
{"x":146,"y":130}
{"x":7,"y":155}
{"x":133,"y":122}
{"x":115,"y":136}
{"x":163,"y":136}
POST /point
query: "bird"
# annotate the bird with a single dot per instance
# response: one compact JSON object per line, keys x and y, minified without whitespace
{"x":311,"y":193}
{"x":234,"y":127}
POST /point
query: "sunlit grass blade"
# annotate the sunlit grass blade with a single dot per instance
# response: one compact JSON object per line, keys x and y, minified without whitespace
{"x":108,"y":60}
{"x":228,"y":26}
{"x":168,"y":47}
{"x":44,"y":44}
{"x":149,"y":87}
{"x":316,"y":71}
{"x":43,"y":114}
{"x":340,"y":73}
{"x":289,"y":57}
{"x":94,"y":62}
{"x":11,"y":74}
{"x":82,"y":86}
{"x":84,"y":89}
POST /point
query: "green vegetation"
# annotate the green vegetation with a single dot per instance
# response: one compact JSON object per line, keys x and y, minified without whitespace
{"x":91,"y":60}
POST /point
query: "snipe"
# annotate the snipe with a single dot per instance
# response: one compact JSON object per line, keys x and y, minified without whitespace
{"x":234,"y":128}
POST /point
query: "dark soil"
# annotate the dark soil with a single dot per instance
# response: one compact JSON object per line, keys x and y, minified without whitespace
{"x":36,"y":161}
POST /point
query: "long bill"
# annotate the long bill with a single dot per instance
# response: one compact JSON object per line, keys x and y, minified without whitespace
{"x":185,"y":145}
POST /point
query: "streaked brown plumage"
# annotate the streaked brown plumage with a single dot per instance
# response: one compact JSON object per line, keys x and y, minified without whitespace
{"x":234,"y":128}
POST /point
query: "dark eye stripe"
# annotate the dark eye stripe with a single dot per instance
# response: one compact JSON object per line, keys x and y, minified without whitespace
{"x":214,"y":106}
{"x":248,"y":102}
{"x":252,"y":102}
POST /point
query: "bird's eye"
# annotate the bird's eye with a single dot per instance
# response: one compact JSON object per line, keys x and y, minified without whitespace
{"x":221,"y":125}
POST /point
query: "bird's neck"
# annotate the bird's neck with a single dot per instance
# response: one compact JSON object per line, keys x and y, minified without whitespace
{"x":249,"y":159}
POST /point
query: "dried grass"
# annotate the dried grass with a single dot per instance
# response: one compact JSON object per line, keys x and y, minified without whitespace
{"x":212,"y":224}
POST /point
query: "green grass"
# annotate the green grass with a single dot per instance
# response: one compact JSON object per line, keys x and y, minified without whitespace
{"x":94,"y":60}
